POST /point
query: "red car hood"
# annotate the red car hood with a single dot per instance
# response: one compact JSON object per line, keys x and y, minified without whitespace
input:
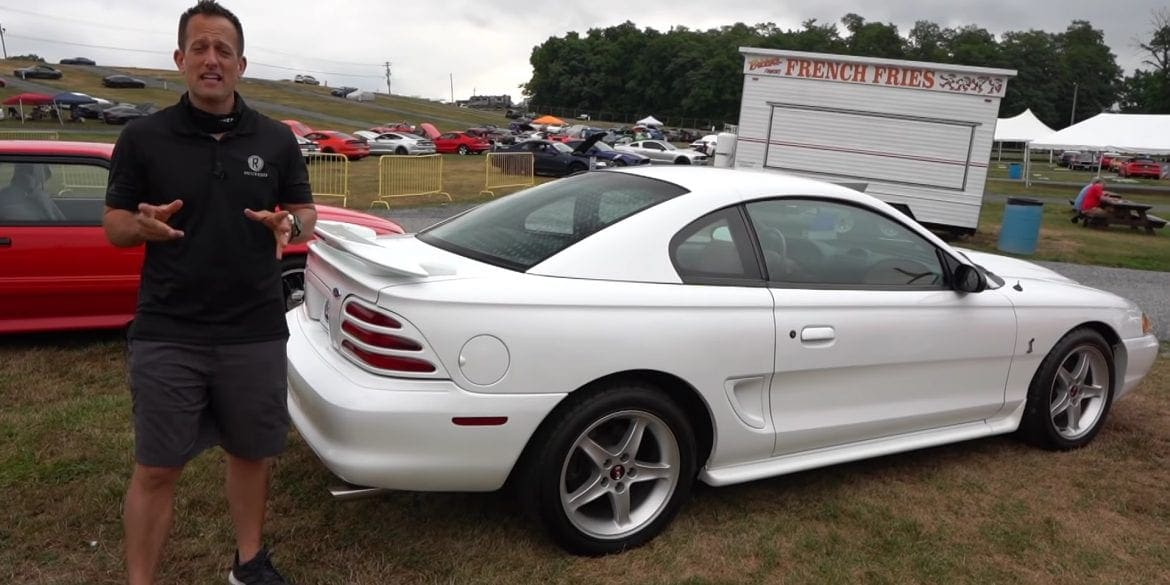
{"x":378,"y":224}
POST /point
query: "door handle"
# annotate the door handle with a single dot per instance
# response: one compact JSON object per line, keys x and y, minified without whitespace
{"x":5,"y":242}
{"x":818,"y":334}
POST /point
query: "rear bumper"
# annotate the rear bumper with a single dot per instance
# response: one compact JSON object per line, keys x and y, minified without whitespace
{"x":398,"y":433}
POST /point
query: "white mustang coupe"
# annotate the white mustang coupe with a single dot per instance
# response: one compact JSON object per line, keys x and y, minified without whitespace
{"x":601,"y":341}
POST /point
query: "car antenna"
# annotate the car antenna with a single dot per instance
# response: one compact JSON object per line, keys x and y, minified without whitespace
{"x":1018,"y":287}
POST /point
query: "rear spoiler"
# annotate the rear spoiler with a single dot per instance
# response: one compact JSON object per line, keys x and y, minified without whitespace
{"x":359,"y":242}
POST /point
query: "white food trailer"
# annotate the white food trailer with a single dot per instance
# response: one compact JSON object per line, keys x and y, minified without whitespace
{"x":917,"y":135}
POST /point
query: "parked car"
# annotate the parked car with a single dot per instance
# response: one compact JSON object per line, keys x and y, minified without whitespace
{"x":298,"y":128}
{"x":556,"y":159}
{"x":78,"y":61}
{"x":342,"y":91}
{"x":306,"y":79}
{"x":607,"y":153}
{"x":1067,"y":156}
{"x":308,"y":147}
{"x":123,"y":81}
{"x":460,"y":143}
{"x":123,"y":113}
{"x":1141,"y":167}
{"x":599,"y":342}
{"x":38,"y":72}
{"x":1084,"y":161}
{"x":94,"y":110}
{"x":1117,"y":162}
{"x":332,"y":141}
{"x":661,"y":151}
{"x":59,"y":272}
{"x":395,"y":143}
{"x":706,"y":144}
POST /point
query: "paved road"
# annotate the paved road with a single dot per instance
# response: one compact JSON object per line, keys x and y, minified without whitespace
{"x":1147,"y":288}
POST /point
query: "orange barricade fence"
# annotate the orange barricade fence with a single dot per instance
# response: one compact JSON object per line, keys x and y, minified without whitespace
{"x":507,"y":169}
{"x":409,"y":176}
{"x":329,"y":175}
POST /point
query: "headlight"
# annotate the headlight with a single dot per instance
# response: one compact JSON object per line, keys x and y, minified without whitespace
{"x":1147,"y":324}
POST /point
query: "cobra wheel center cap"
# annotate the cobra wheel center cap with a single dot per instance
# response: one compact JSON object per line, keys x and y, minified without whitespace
{"x":617,"y":472}
{"x":1074,"y":391}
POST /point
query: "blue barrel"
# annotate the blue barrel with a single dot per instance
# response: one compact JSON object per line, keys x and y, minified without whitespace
{"x":1021,"y":225}
{"x":1015,"y":171}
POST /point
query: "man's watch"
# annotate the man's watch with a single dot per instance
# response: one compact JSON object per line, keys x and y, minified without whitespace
{"x":296,"y":226}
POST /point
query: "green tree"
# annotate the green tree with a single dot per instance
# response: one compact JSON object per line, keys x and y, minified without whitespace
{"x":873,"y":39}
{"x":929,"y":42}
{"x":1033,"y":54}
{"x":1089,"y":71}
{"x":1149,"y":91}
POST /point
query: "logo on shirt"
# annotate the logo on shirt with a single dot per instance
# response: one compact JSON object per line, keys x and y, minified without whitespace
{"x":256,"y":164}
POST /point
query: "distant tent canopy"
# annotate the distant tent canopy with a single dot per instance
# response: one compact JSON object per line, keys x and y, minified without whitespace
{"x":553,"y":120}
{"x":1129,"y":133}
{"x":1025,"y":127}
{"x":29,"y":99}
{"x":649,"y":121}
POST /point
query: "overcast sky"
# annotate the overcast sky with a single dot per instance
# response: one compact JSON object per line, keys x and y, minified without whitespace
{"x":484,"y":45}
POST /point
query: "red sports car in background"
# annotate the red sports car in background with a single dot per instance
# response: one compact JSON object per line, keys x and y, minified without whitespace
{"x":332,"y":141}
{"x":57,"y":271}
{"x":299,"y":128}
{"x":1141,"y":167}
{"x":460,"y":143}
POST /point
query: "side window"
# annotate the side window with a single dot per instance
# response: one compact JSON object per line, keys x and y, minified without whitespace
{"x":52,"y":193}
{"x":832,"y":245}
{"x":715,"y":249}
{"x":654,"y":146}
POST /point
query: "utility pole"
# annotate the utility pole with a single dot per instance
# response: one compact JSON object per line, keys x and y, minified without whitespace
{"x":452,"y":76}
{"x":388,"y":92}
{"x":2,"y":44}
{"x":1072,"y":117}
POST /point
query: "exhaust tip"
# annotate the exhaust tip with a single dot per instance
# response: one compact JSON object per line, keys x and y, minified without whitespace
{"x":346,"y":492}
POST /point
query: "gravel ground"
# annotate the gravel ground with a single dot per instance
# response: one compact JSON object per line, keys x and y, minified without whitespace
{"x":1147,"y":288}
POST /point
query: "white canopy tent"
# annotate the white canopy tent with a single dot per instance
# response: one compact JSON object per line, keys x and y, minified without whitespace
{"x":649,"y":121}
{"x":1025,"y":128}
{"x":1131,"y":133}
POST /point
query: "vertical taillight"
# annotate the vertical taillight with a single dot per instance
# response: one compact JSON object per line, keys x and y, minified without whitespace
{"x":377,"y":340}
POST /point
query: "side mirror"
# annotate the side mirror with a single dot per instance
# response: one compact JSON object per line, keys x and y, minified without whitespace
{"x":969,"y":279}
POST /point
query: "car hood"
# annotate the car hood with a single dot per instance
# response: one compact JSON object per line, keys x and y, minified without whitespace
{"x":1014,"y":268}
{"x":588,"y":143}
{"x":340,"y":214}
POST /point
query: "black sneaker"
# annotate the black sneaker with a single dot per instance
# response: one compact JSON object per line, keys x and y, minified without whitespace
{"x":258,"y":571}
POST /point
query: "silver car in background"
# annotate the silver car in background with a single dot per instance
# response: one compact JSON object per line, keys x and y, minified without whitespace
{"x":661,"y":151}
{"x":395,"y":143}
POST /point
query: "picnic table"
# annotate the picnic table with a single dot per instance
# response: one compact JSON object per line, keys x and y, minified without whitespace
{"x":1130,"y":213}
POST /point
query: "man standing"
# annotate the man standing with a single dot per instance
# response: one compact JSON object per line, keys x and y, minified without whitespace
{"x":199,"y":183}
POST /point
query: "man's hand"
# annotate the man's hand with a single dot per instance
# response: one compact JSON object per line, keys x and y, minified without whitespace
{"x":152,"y":221}
{"x":278,"y":222}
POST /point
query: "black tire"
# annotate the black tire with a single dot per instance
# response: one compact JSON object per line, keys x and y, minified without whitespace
{"x":682,"y":160}
{"x":401,"y":150}
{"x":605,"y":417}
{"x":576,"y":168}
{"x":327,"y":150}
{"x":619,"y":162}
{"x":463,"y":150}
{"x":1076,"y":379}
{"x":292,"y":280}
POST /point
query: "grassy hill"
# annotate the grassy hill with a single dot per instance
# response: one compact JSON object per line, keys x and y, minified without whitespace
{"x":279,"y":99}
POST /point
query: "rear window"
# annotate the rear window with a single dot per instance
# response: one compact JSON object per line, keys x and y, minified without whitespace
{"x":526,"y":228}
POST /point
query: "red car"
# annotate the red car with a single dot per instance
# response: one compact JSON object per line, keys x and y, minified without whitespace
{"x":461,"y":143}
{"x":1141,"y":167}
{"x":299,"y":128}
{"x":57,"y":271}
{"x":332,"y":141}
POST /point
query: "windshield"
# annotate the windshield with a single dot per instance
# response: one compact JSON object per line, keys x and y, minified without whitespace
{"x":667,"y":146}
{"x":562,"y":147}
{"x":602,"y":147}
{"x":526,"y":228}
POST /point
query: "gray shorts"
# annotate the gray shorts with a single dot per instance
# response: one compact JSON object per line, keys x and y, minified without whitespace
{"x":188,"y":398}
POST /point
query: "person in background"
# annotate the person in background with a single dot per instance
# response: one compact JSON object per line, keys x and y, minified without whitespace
{"x":1089,"y":202}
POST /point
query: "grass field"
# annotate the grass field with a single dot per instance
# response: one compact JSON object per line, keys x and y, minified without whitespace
{"x":987,"y":511}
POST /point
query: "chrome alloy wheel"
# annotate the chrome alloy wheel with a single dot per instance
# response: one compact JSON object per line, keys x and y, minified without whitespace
{"x":1077,"y":400}
{"x":619,"y":474}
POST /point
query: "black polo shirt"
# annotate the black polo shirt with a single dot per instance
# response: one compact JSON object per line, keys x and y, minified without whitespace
{"x":220,"y":282}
